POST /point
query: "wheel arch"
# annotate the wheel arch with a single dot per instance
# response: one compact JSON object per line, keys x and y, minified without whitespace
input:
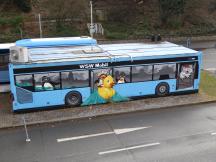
{"x":159,"y":92}
{"x":71,"y":94}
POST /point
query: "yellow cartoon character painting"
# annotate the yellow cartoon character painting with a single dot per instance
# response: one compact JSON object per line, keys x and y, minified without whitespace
{"x":105,"y":92}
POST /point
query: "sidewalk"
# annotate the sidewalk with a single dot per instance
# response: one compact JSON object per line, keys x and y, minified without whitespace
{"x":9,"y":119}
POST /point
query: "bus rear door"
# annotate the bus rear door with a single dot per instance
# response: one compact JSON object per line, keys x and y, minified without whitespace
{"x":185,"y":76}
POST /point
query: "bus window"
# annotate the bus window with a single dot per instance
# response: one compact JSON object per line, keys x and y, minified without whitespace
{"x":122,"y":74}
{"x":185,"y":75}
{"x":47,"y":81}
{"x":98,"y":75}
{"x":24,"y":81}
{"x":75,"y":79}
{"x":1,"y":59}
{"x":4,"y":59}
{"x":141,"y":73}
{"x":4,"y":68}
{"x":164,"y":71}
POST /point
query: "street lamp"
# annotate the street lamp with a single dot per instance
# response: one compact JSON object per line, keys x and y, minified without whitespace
{"x":91,"y":28}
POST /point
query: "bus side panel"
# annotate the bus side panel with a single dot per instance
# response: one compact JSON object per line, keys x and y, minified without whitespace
{"x":142,"y":88}
{"x":50,"y":98}
{"x":12,"y":82}
{"x":4,"y":76}
{"x":196,"y":84}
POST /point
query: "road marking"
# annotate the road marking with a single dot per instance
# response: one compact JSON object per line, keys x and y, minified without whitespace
{"x":128,"y":148}
{"x":210,"y":69}
{"x":116,"y":131}
{"x":127,"y":130}
{"x":82,"y":137}
{"x":213,"y":134}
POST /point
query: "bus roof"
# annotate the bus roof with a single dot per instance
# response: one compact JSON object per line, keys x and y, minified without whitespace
{"x":62,"y":41}
{"x":107,"y":51}
{"x":4,"y":46}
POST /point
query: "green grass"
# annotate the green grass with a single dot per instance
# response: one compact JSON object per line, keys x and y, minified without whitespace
{"x":208,"y":84}
{"x":116,"y":31}
{"x":11,"y":21}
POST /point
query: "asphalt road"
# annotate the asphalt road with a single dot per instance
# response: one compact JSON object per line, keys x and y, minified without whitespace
{"x":180,"y":134}
{"x":209,"y":52}
{"x":209,"y":58}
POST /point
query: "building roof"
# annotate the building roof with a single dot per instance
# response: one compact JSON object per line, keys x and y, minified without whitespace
{"x":107,"y":51}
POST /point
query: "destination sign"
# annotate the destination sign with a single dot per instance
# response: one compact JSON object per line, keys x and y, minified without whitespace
{"x":96,"y":65}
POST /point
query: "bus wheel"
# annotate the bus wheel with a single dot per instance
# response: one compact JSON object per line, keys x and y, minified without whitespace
{"x":162,"y":89}
{"x":73,"y":98}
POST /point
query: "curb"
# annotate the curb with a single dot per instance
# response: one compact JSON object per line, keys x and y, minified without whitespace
{"x":105,"y":113}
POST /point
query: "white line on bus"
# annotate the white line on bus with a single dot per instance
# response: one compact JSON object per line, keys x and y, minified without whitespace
{"x":128,"y":148}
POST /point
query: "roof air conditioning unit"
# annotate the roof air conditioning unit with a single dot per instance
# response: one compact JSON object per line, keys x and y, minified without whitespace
{"x":18,"y":54}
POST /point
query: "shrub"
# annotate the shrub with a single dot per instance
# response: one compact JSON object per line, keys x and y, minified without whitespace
{"x":12,"y":21}
{"x":66,"y":30}
{"x":24,"y":5}
{"x":170,"y":8}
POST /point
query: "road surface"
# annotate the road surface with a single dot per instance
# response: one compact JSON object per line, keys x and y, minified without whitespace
{"x":209,"y":58}
{"x":180,"y":134}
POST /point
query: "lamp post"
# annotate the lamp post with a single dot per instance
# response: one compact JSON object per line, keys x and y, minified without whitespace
{"x":39,"y":20}
{"x":91,"y":29}
{"x":26,"y":130}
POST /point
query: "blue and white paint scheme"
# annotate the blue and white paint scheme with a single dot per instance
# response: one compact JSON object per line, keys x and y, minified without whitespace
{"x":74,"y":70}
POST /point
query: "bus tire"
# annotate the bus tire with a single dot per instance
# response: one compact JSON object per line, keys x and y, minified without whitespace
{"x":73,"y":98}
{"x":162,"y":89}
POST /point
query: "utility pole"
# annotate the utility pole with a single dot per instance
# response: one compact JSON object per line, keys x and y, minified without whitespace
{"x":91,"y":25}
{"x":39,"y":19}
{"x":26,"y":130}
{"x":21,"y":32}
{"x":188,"y":42}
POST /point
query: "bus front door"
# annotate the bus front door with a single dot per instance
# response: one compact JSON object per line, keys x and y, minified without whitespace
{"x":185,"y":76}
{"x":93,"y":78}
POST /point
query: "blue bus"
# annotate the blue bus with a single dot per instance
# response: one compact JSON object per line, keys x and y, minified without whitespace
{"x":95,"y":74}
{"x":4,"y":60}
